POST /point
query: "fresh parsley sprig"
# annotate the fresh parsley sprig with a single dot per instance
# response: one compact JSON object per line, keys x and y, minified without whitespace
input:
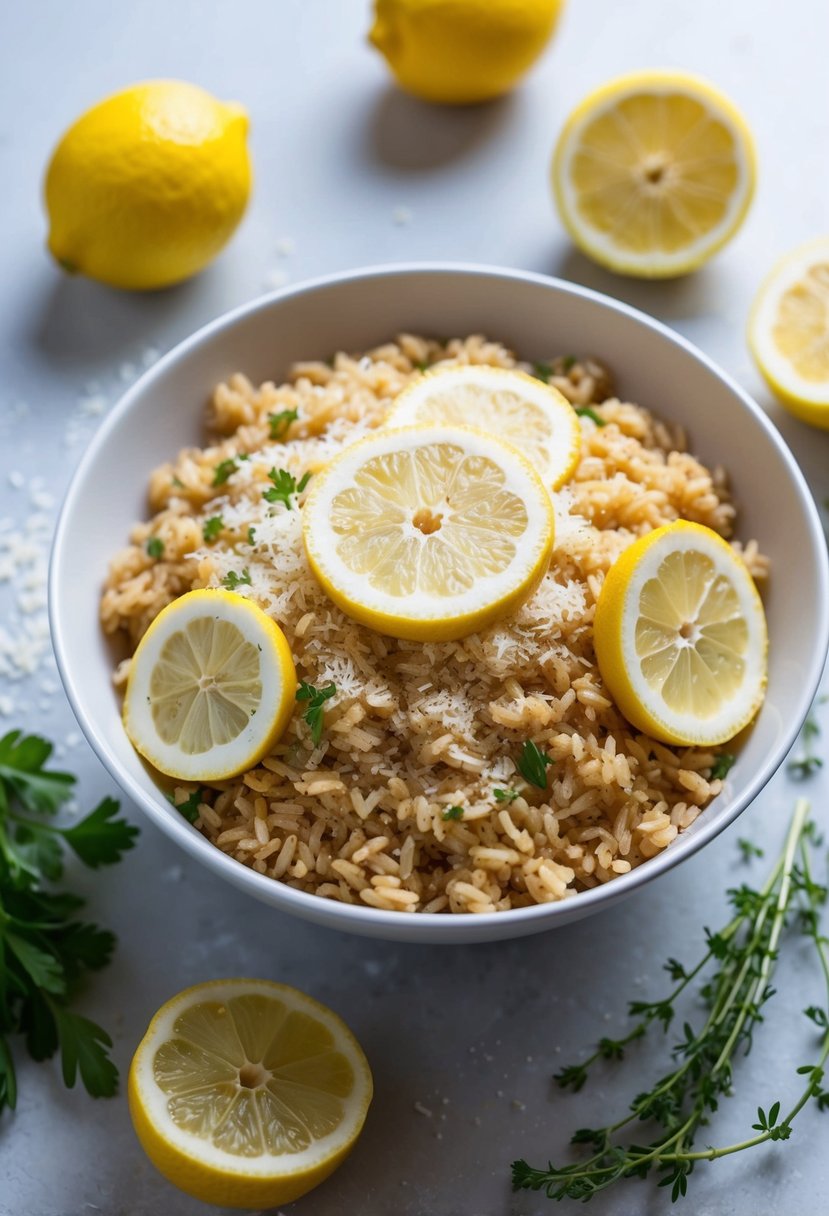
{"x":533,"y":764}
{"x":285,"y":486}
{"x":234,"y":579}
{"x":190,"y":807}
{"x":212,"y":528}
{"x":224,"y":470}
{"x":314,"y":712}
{"x":741,"y":958}
{"x":722,"y":766}
{"x":279,"y":423}
{"x":45,"y":952}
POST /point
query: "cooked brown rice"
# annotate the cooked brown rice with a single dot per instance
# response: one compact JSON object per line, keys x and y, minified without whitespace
{"x":415,"y":728}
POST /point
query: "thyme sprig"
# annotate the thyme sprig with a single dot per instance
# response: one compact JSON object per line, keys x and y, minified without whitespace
{"x":742,"y":957}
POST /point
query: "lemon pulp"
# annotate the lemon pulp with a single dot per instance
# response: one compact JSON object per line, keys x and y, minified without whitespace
{"x":680,"y":636}
{"x":247,"y":1093}
{"x":428,"y":532}
{"x":534,"y":417}
{"x":789,"y":331}
{"x":211,"y":687}
{"x":653,"y":173}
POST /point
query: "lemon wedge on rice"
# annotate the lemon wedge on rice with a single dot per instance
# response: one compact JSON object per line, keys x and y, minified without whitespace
{"x":511,"y":405}
{"x":789,"y":331}
{"x":211,"y":687}
{"x":653,"y":173}
{"x":245,"y":1093}
{"x":680,"y":636}
{"x":428,"y":533}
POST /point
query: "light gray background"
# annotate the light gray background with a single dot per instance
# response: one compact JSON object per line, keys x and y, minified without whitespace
{"x":350,"y":172}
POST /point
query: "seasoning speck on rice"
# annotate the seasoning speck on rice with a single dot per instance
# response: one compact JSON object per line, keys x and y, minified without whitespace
{"x":417,"y":728}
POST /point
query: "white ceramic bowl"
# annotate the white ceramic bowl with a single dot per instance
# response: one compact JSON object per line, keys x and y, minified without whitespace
{"x":536,"y":316}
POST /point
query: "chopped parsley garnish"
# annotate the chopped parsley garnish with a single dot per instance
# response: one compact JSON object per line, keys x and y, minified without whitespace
{"x":178,"y":483}
{"x":567,"y":362}
{"x":280,"y":422}
{"x":45,"y":950}
{"x":423,"y":367}
{"x":453,"y":812}
{"x":543,"y":371}
{"x":251,"y":534}
{"x":190,"y":807}
{"x":285,"y":486}
{"x":584,"y":411}
{"x":155,"y":548}
{"x":533,"y":763}
{"x":505,"y":795}
{"x":314,"y":711}
{"x":223,"y":470}
{"x":723,"y":763}
{"x":212,"y":528}
{"x":232,"y":580}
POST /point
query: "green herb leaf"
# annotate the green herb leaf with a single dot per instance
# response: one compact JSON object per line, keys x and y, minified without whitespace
{"x":22,"y":758}
{"x":723,"y":763}
{"x":586,"y":411}
{"x":314,"y":712}
{"x":533,"y":764}
{"x":213,"y":528}
{"x":285,"y":486}
{"x":190,"y":807}
{"x":505,"y":795}
{"x":543,"y":371}
{"x":100,"y":838}
{"x":279,"y":423}
{"x":224,"y":469}
{"x":232,"y":580}
{"x":453,"y":812}
{"x":251,"y":535}
{"x":739,"y":961}
{"x":568,"y":362}
{"x":44,"y":952}
{"x":83,"y":1049}
{"x":155,"y":548}
{"x":42,"y":968}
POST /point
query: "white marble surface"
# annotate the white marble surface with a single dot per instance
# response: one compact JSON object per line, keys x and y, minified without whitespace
{"x":350,"y":172}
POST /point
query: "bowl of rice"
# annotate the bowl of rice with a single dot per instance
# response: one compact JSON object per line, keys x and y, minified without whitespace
{"x":359,"y":830}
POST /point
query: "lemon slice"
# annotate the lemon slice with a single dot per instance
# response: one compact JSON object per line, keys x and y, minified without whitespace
{"x":653,"y":173}
{"x":211,"y":687}
{"x":789,"y":331}
{"x":680,"y":636}
{"x":246,"y":1093}
{"x":428,"y":533}
{"x":532,"y":416}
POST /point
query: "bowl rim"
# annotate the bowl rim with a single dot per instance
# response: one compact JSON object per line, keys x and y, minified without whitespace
{"x":355,"y":916}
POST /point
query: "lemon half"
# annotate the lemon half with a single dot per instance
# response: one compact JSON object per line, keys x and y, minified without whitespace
{"x":534,"y":417}
{"x":428,"y":533}
{"x":789,"y":331}
{"x":653,"y":173}
{"x":211,"y":687}
{"x":680,"y":636}
{"x":246,"y":1093}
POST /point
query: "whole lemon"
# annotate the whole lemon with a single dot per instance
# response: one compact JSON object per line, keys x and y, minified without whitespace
{"x":148,"y":185}
{"x":461,"y":51}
